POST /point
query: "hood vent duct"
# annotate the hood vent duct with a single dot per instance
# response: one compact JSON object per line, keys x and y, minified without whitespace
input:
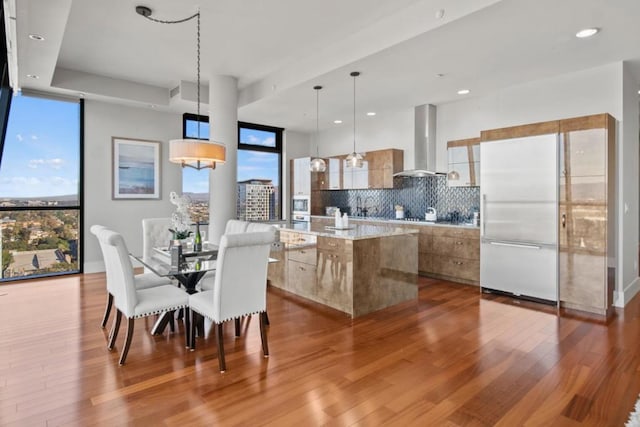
{"x":424,"y":143}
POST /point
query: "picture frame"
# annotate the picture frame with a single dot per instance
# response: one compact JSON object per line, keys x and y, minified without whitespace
{"x":135,"y":169}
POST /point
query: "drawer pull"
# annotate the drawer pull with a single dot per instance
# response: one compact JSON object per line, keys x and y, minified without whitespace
{"x":301,"y":269}
{"x":458,"y":262}
{"x":303,"y":252}
{"x":332,"y":244}
{"x":459,"y":243}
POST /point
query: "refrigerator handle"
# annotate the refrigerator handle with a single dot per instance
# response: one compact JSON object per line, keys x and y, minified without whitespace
{"x":483,"y":216}
{"x":564,"y":220}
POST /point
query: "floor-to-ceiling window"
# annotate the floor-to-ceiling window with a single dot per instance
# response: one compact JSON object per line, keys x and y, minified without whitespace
{"x":259,"y":172}
{"x":40,"y":188}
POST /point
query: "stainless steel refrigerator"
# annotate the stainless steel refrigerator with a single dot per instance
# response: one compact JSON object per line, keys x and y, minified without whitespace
{"x":519,"y":216}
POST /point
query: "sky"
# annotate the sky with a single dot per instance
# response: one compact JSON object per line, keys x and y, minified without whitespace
{"x":42,"y":148}
{"x":251,"y":164}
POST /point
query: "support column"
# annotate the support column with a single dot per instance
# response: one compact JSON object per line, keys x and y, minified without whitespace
{"x":223,"y":121}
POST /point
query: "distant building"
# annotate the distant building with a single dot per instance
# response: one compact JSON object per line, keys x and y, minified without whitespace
{"x":256,"y":200}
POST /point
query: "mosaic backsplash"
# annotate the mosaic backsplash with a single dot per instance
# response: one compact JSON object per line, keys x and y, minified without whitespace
{"x":415,"y":194}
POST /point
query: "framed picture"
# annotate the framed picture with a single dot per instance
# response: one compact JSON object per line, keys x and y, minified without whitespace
{"x":136,"y":169}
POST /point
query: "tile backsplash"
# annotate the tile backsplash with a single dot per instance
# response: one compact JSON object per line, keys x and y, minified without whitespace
{"x":415,"y":194}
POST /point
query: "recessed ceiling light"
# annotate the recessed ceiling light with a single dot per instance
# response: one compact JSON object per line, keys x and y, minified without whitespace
{"x":439,"y":75}
{"x":463,"y":91}
{"x":32,"y":76}
{"x":371,"y":113}
{"x":587,"y":32}
{"x":36,"y":37}
{"x":337,"y":122}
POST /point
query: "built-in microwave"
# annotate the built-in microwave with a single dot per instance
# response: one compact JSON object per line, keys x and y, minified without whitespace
{"x":301,"y":205}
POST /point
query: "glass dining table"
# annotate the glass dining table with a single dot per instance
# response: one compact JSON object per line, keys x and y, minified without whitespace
{"x":193,"y":266}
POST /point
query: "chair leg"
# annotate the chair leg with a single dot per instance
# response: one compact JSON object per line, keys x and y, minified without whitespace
{"x":221,"y":363}
{"x":107,"y":310}
{"x":192,"y":334}
{"x":266,"y":319}
{"x":187,"y":327}
{"x":114,"y":330}
{"x":127,"y":341}
{"x":263,"y":333}
{"x":237,"y":322}
{"x":172,"y":321}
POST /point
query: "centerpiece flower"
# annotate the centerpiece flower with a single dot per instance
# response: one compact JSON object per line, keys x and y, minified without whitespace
{"x":180,"y":219}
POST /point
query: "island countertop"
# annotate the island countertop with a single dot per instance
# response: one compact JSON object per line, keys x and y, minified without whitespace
{"x":355,"y":231}
{"x":388,"y":221}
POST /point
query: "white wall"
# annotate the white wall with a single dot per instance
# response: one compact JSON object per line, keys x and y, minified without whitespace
{"x":591,"y":91}
{"x":389,"y":130}
{"x":101,"y":122}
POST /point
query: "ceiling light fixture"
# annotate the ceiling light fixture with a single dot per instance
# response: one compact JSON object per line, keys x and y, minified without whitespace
{"x":36,"y":37}
{"x":317,"y":164}
{"x":337,"y":122}
{"x":191,"y":152}
{"x":371,"y":113}
{"x":33,"y":76}
{"x":463,"y":91}
{"x":355,"y":159}
{"x":587,"y":32}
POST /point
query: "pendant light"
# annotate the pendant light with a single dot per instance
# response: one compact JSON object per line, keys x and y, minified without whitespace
{"x":317,"y":164}
{"x":191,"y":152}
{"x":354,"y":159}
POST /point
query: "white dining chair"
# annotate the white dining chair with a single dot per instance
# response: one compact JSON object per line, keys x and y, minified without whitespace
{"x":142,"y":281}
{"x":128,"y":299}
{"x":155,"y":233}
{"x":238,"y":290}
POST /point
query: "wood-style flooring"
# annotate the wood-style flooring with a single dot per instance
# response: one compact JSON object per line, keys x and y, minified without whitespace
{"x":453,"y":358}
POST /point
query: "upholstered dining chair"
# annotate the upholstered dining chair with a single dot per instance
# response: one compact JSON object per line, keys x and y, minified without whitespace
{"x":155,"y":233}
{"x":128,"y":299}
{"x":142,"y":281}
{"x":238,"y":291}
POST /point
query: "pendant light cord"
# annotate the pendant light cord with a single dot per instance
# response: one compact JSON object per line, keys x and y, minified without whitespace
{"x":180,"y":21}
{"x":354,"y":111}
{"x":317,"y":88}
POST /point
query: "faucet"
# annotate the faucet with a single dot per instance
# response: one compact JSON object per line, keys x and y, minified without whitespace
{"x":359,"y":206}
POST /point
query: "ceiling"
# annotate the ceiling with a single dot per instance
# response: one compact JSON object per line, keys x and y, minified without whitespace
{"x":408,"y":55}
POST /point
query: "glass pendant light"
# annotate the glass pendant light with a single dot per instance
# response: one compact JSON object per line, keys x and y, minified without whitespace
{"x":317,"y":164}
{"x":354,"y":159}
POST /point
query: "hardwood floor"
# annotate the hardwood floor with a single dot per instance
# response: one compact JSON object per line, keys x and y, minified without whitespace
{"x":453,"y":358}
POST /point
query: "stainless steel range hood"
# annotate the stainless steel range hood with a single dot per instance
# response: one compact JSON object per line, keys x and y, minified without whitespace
{"x":424,"y":143}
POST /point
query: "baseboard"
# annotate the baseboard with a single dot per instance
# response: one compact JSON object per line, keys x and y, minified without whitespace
{"x":621,"y":298}
{"x":94,"y":267}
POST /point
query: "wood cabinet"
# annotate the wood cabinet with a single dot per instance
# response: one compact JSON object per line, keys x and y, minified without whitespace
{"x":463,"y":163}
{"x":334,"y":273}
{"x":382,"y":165}
{"x":586,"y":209}
{"x":451,"y":253}
{"x":300,"y":253}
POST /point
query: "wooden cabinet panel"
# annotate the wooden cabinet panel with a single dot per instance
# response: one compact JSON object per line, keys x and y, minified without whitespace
{"x":586,"y":206}
{"x":457,"y":267}
{"x":466,"y":233}
{"x":425,"y":262}
{"x":301,"y":279}
{"x":425,"y":240}
{"x":306,"y":254}
{"x":457,"y":247}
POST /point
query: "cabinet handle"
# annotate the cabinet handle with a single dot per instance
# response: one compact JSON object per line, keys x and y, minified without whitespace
{"x":303,"y":252}
{"x":458,"y":262}
{"x":301,"y":269}
{"x":459,"y":243}
{"x":564,"y":220}
{"x":332,"y":244}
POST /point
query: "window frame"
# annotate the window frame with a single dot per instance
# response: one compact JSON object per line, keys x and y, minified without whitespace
{"x":277,"y":150}
{"x":79,"y":207}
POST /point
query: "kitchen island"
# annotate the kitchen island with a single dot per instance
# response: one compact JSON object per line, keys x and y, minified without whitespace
{"x":359,"y":270}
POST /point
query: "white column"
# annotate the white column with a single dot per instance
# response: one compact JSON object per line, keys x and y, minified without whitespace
{"x":223,"y":120}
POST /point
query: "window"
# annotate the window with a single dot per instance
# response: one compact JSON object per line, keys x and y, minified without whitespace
{"x":195,"y":183}
{"x":40,"y":188}
{"x":259,"y":172}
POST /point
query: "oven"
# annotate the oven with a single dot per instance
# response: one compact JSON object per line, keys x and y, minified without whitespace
{"x":301,"y":208}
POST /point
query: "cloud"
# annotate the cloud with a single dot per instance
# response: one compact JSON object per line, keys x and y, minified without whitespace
{"x":20,"y":181}
{"x":34,"y":137}
{"x":35,"y":163}
{"x":267,"y":142}
{"x":52,"y":163}
{"x":19,"y":137}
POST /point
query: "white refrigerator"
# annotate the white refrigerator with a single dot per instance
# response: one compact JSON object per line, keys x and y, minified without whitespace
{"x":519,"y":216}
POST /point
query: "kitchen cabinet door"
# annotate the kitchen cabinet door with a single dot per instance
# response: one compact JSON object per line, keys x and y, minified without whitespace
{"x":586,"y":209}
{"x":301,"y":184}
{"x":333,"y":168}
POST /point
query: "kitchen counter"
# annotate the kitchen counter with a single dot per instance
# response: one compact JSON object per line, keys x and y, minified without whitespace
{"x":356,"y":271}
{"x":356,"y":230}
{"x":400,"y":221}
